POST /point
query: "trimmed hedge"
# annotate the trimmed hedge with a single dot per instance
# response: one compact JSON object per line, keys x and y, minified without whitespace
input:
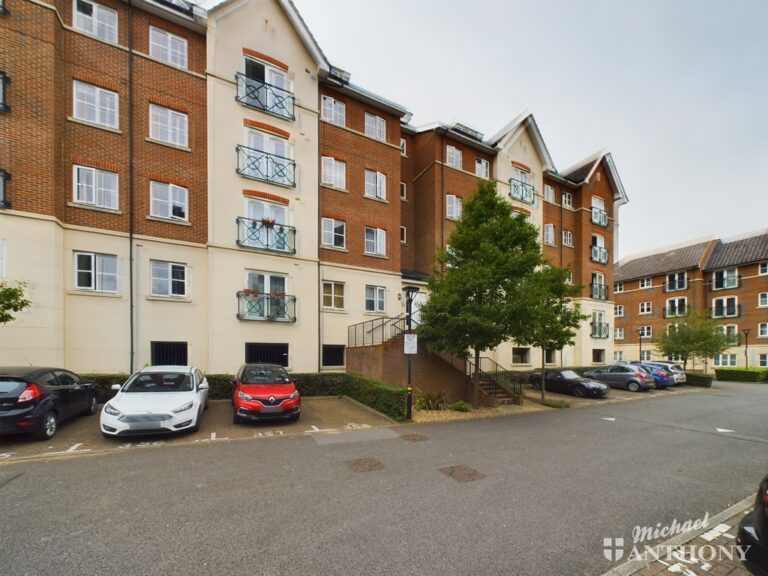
{"x":703,"y":380}
{"x":742,"y":374}
{"x":104,"y":384}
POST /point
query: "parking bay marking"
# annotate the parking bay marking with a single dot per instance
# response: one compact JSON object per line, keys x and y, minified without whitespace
{"x":610,"y":419}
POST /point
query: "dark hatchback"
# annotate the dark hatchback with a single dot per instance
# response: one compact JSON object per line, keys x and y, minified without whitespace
{"x":753,"y":531}
{"x":36,"y":400}
{"x":569,"y":382}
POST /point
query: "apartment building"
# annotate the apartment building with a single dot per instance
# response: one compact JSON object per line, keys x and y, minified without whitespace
{"x":103,"y":162}
{"x":725,"y":278}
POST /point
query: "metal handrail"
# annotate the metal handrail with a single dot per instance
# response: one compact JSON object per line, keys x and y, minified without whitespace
{"x":264,"y":96}
{"x":599,"y":254}
{"x":599,"y":217}
{"x":266,"y":235}
{"x":600,"y":329}
{"x":376,"y":331}
{"x":497,"y":374}
{"x":599,"y":291}
{"x":522,"y":191}
{"x":267,"y":307}
{"x":261,"y":165}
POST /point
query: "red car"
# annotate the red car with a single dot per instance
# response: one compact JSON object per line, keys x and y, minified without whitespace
{"x":264,"y":391}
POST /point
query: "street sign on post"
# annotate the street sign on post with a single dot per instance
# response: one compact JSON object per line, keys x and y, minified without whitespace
{"x":410,"y":344}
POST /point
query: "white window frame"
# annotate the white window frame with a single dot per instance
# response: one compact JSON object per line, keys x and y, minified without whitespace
{"x":453,"y":157}
{"x":334,"y":173}
{"x":333,"y":111}
{"x":646,"y":331}
{"x":378,"y":299}
{"x":99,"y":195}
{"x":453,"y":207}
{"x":105,"y":106}
{"x":403,"y":147}
{"x":568,"y":238}
{"x":174,"y":196}
{"x":330,"y":234}
{"x":677,"y":301}
{"x":618,"y":355}
{"x":730,"y":360}
{"x":334,"y":295}
{"x":618,"y":310}
{"x":379,"y":241}
{"x":567,"y":199}
{"x":725,"y":300}
{"x":618,"y":287}
{"x":762,"y":269}
{"x":762,"y":330}
{"x":549,"y":235}
{"x":403,"y":235}
{"x":646,"y":307}
{"x":403,"y":191}
{"x":569,"y":277}
{"x":645,"y":356}
{"x":730,"y":278}
{"x":98,"y":275}
{"x":173,"y":122}
{"x":157,"y":265}
{"x":549,"y":193}
{"x":646,"y":283}
{"x":677,"y":287}
{"x":618,"y":333}
{"x":375,"y":127}
{"x":482,"y":168}
{"x":169,"y":48}
{"x":90,"y":24}
{"x":762,"y":360}
{"x":375,"y":185}
{"x":762,"y":300}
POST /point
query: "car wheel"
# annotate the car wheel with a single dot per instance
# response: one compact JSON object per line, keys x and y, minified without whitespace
{"x":92,"y":406}
{"x":196,"y":427}
{"x":49,"y":426}
{"x":633,"y":387}
{"x":579,"y":392}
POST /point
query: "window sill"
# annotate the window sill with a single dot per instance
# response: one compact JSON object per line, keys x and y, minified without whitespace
{"x":181,"y":299}
{"x":94,"y":125}
{"x":377,"y":314}
{"x":334,"y":248}
{"x":96,"y":293}
{"x":169,"y":220}
{"x":403,"y":199}
{"x":570,"y":246}
{"x":335,"y":311}
{"x":379,"y":256}
{"x":168,"y":144}
{"x":550,"y":244}
{"x":376,"y":199}
{"x":334,"y":188}
{"x":95,"y":208}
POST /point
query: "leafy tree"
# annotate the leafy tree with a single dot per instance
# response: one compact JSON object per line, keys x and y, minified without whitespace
{"x":694,"y":336}
{"x":555,"y":317}
{"x":12,"y":300}
{"x":480,"y":290}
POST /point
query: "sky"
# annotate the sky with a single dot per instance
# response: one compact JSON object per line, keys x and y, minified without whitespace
{"x":676,"y":90}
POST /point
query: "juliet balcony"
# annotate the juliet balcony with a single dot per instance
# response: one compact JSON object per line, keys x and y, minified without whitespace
{"x":266,"y":307}
{"x":266,"y":97}
{"x":727,"y":311}
{"x":260,"y":165}
{"x":599,"y":255}
{"x":599,"y":291}
{"x":266,"y":234}
{"x":724,"y":283}
{"x":600,"y":329}
{"x":674,"y":311}
{"x":521,"y":191}
{"x":599,"y":217}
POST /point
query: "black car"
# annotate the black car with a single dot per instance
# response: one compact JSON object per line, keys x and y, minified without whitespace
{"x":753,"y":530}
{"x":35,"y":400}
{"x":569,"y":382}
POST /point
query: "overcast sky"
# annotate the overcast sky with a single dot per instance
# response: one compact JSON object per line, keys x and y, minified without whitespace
{"x":676,"y":90}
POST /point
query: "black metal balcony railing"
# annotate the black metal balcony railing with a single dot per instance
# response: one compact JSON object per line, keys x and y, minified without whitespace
{"x":599,"y":254}
{"x":272,"y":307}
{"x":674,"y":311}
{"x":599,"y":217}
{"x":261,"y":165}
{"x":600,"y":329}
{"x":521,"y":191}
{"x":599,"y":291}
{"x":733,"y":311}
{"x":263,"y":96}
{"x":726,"y":283}
{"x":266,"y":235}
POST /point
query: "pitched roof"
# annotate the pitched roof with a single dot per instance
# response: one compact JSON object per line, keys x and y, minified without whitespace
{"x":739,"y":251}
{"x":678,"y":258}
{"x":514,"y":129}
{"x":582,"y":171}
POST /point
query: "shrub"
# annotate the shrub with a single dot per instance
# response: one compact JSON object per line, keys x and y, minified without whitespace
{"x":103,"y":384}
{"x":430,"y":401}
{"x":555,"y":403}
{"x":703,"y":380}
{"x":742,"y":374}
{"x":385,"y":398}
{"x":460,"y":406}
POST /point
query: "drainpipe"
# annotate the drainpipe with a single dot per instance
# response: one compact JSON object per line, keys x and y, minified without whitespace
{"x":320,"y":243}
{"x":442,"y":192}
{"x":131,"y":210}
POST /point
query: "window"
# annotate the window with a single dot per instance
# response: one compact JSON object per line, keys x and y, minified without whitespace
{"x":334,"y":111}
{"x":268,"y":299}
{"x":95,"y":105}
{"x":646,"y":282}
{"x":169,"y":279}
{"x":96,"y":20}
{"x":266,"y":353}
{"x":645,"y":356}
{"x":646,"y":331}
{"x":598,"y":356}
{"x":4,"y":80}
{"x":549,"y":193}
{"x":762,"y":299}
{"x":521,"y":355}
{"x":453,"y":157}
{"x":763,"y":360}
{"x":549,"y":234}
{"x":403,"y":147}
{"x":646,"y":307}
{"x":95,"y":187}
{"x":333,"y":295}
{"x":725,"y":307}
{"x":482,"y":168}
{"x":549,"y":355}
{"x":334,"y":173}
{"x":762,"y":268}
{"x":403,"y":191}
{"x":725,"y":360}
{"x":269,"y":158}
{"x":374,"y":298}
{"x":375,"y":185}
{"x":618,"y":310}
{"x":724,"y":279}
{"x":453,"y":207}
{"x":334,"y":233}
{"x":169,"y":126}
{"x":333,"y":355}
{"x":569,"y":277}
{"x":618,"y":287}
{"x":676,"y":307}
{"x":732,"y":331}
{"x":265,"y":88}
{"x":567,"y":199}
{"x":375,"y":241}
{"x":168,"y":201}
{"x":618,"y":333}
{"x":97,"y":272}
{"x":676,"y":281}
{"x":762,"y":330}
{"x":375,"y":127}
{"x":403,"y":235}
{"x":618,"y":355}
{"x":567,"y":238}
{"x":168,"y":353}
{"x":168,"y":47}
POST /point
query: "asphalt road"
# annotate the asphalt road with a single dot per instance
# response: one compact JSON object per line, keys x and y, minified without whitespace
{"x":554,"y":485}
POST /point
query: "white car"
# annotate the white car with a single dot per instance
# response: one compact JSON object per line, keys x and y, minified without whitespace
{"x":677,"y":371}
{"x":156,"y":400}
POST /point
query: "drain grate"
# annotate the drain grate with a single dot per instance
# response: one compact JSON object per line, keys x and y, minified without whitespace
{"x":364,"y":464}
{"x":462,"y":473}
{"x":414,"y":437}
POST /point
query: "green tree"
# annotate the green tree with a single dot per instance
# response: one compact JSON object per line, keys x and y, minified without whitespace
{"x":694,"y":336}
{"x":12,"y":300}
{"x":480,"y":289}
{"x":554,"y":317}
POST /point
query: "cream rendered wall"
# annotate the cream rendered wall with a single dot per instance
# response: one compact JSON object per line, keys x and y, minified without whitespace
{"x":33,"y":254}
{"x":582,"y":353}
{"x":519,"y":147}
{"x":262,"y":26}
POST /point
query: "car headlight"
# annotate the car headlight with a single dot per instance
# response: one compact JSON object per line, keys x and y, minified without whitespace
{"x":294,"y":395}
{"x":244,"y":396}
{"x":111,"y":410}
{"x":183,"y":407}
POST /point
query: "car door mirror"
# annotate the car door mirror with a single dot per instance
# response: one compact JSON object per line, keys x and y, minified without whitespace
{"x":233,"y":381}
{"x":203,"y":385}
{"x":115,"y":387}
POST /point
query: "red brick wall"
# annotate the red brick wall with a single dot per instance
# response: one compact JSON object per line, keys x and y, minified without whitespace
{"x":407,"y":206}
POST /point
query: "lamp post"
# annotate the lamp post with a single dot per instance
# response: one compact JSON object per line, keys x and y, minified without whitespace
{"x":640,"y":333}
{"x":746,"y":332}
{"x":410,"y":295}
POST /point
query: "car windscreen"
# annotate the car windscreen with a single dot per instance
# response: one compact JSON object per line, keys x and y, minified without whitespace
{"x":569,"y":374}
{"x":264,"y":375}
{"x":11,"y":386}
{"x":159,"y":382}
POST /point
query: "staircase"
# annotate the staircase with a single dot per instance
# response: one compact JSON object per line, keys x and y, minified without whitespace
{"x":497,"y":385}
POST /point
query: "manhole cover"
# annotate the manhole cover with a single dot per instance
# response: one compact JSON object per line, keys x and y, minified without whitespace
{"x":414,"y":437}
{"x":462,"y":473}
{"x":364,"y":464}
